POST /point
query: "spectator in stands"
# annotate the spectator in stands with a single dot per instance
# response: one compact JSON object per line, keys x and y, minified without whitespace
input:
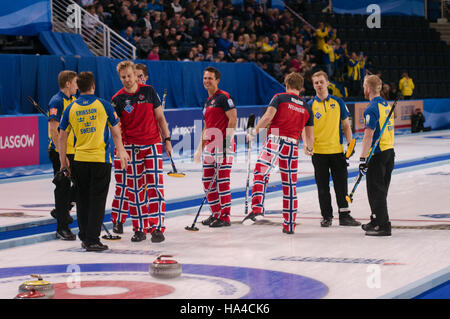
{"x":223,"y":44}
{"x":320,"y":35}
{"x":154,"y":53}
{"x":144,"y":44}
{"x":91,"y":21}
{"x":328,"y":57}
{"x":406,"y":86}
{"x":104,"y":17}
{"x":128,"y":35}
{"x":156,"y":5}
{"x":144,"y":22}
{"x":172,"y":54}
{"x":176,"y":7}
{"x":354,"y":75}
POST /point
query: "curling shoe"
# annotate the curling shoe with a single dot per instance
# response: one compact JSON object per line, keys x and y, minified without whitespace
{"x":118,"y":228}
{"x":209,"y":220}
{"x":346,"y":220}
{"x":95,"y":247}
{"x":219,"y":223}
{"x":157,"y":236}
{"x":65,"y":234}
{"x":326,"y":222}
{"x":289,"y":232}
{"x":252,"y":218}
{"x":138,"y":236}
{"x":369,"y":226}
{"x":384,"y":230}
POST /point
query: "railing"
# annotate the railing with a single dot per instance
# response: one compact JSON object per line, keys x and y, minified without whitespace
{"x":67,"y":16}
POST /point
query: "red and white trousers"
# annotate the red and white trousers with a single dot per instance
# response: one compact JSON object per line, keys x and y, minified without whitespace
{"x":217,"y":167}
{"x":140,"y":189}
{"x":284,"y":153}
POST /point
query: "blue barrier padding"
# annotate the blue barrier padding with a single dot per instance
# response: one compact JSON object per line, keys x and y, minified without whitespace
{"x":36,"y":76}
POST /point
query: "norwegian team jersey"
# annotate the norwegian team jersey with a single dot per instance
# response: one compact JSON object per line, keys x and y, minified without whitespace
{"x":214,"y":112}
{"x":328,"y":133}
{"x":375,"y":116}
{"x":56,"y":107}
{"x":137,"y":119}
{"x":293,"y":114}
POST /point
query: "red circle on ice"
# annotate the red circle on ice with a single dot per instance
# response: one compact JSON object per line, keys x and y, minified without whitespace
{"x":118,"y":290}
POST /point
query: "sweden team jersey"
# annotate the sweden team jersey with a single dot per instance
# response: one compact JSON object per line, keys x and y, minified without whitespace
{"x":56,"y":107}
{"x":328,"y":114}
{"x":90,"y":118}
{"x":374,"y":118}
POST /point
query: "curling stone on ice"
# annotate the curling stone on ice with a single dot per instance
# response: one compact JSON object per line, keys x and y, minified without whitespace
{"x":165,"y":268}
{"x":36,"y":289}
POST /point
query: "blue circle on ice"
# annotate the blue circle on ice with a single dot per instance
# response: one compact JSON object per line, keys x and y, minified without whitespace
{"x":264,"y":284}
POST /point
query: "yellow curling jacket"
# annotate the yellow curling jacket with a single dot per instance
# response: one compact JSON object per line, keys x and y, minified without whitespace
{"x":90,"y":119}
{"x":328,"y":134}
{"x":375,"y":116}
{"x":56,"y":107}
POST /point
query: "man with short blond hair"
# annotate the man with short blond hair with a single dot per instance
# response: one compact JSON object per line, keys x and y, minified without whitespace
{"x":331,"y":124}
{"x":139,"y":188}
{"x":379,"y":169}
{"x":64,"y":193}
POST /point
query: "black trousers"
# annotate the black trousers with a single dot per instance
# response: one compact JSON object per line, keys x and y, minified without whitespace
{"x":64,"y":192}
{"x":378,"y":178}
{"x":92,"y":184}
{"x":324,"y":164}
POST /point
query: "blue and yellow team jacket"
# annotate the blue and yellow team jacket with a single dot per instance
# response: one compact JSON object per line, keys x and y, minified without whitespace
{"x":56,"y":107}
{"x":328,"y":134}
{"x":374,"y":118}
{"x":90,"y":118}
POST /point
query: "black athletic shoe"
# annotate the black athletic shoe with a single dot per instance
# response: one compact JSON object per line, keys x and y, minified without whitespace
{"x":289,"y":232}
{"x":157,"y":236}
{"x":209,"y":220}
{"x":219,"y":223}
{"x":118,"y":228}
{"x":95,"y":247}
{"x":65,"y":234}
{"x":368,"y":226}
{"x":347,"y":220}
{"x":326,"y":222}
{"x":138,"y":236}
{"x":252,"y":218}
{"x":380,"y":231}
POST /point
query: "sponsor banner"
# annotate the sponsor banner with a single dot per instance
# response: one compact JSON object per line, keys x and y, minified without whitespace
{"x":402,"y":113}
{"x":19,"y":141}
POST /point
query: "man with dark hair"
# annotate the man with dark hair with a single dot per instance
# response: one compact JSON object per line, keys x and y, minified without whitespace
{"x":217,"y":144}
{"x":142,"y":73}
{"x":286,"y":116}
{"x":64,"y":194}
{"x":91,"y":120}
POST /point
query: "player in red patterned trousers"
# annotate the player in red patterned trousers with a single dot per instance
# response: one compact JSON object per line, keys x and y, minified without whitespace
{"x":139,"y":188}
{"x":288,"y":114}
{"x":218,"y":146}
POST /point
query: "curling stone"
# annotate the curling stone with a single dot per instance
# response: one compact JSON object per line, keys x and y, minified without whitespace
{"x":36,"y":288}
{"x":165,"y":268}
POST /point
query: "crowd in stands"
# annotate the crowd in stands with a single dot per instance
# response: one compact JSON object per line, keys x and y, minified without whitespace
{"x":215,"y":30}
